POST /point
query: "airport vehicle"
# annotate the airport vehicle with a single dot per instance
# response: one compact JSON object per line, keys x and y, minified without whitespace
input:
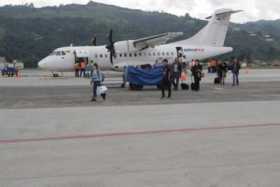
{"x":208,"y":42}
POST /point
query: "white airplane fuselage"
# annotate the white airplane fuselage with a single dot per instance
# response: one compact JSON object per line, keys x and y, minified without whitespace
{"x":63,"y":58}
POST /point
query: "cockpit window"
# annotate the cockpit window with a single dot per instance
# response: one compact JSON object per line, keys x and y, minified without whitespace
{"x":58,"y":53}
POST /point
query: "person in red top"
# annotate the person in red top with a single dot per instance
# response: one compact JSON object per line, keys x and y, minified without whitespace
{"x":77,"y":69}
{"x":83,"y":68}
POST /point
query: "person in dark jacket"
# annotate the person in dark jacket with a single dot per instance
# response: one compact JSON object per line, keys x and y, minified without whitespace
{"x":197,"y":74}
{"x":222,"y":69}
{"x":235,"y":68}
{"x":166,"y":81}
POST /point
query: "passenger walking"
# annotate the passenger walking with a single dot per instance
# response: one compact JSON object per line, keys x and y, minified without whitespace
{"x":235,"y":72}
{"x":166,"y":81}
{"x":197,"y":75}
{"x":96,"y":80}
{"x":177,"y":70}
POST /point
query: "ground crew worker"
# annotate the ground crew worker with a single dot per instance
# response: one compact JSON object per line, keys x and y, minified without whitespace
{"x":166,"y":80}
{"x":96,"y":80}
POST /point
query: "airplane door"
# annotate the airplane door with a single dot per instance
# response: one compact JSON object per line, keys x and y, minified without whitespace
{"x":179,"y":51}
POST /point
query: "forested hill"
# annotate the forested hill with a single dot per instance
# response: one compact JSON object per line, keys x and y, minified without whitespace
{"x":28,"y":33}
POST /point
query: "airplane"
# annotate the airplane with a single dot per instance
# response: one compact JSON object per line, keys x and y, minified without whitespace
{"x":207,"y":43}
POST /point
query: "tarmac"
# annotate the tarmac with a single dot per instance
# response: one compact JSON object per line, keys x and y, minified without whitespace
{"x":51,"y":135}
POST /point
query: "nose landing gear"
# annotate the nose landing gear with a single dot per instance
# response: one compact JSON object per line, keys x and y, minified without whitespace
{"x":55,"y":74}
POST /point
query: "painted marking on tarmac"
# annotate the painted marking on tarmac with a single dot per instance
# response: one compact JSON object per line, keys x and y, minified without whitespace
{"x":133,"y":133}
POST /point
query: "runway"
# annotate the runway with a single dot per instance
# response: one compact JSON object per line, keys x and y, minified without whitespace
{"x":51,"y":135}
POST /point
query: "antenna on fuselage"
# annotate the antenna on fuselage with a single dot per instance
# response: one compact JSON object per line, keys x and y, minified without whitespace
{"x":93,"y":41}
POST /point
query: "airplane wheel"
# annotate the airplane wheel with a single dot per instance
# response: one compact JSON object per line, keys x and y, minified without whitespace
{"x":135,"y":87}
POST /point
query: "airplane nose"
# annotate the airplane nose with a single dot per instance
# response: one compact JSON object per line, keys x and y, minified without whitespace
{"x":42,"y":64}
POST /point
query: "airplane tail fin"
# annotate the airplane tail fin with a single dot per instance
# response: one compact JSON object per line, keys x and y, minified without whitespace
{"x":214,"y":33}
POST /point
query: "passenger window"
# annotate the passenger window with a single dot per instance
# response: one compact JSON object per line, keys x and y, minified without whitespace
{"x":120,"y":54}
{"x":125,"y":55}
{"x":101,"y":56}
{"x":140,"y":54}
{"x":154,"y":54}
{"x":135,"y":54}
{"x":130,"y":55}
{"x":167,"y":54}
{"x":163,"y":53}
{"x":63,"y":53}
{"x":96,"y":56}
{"x":158,"y":53}
{"x":172,"y":53}
{"x":106,"y":56}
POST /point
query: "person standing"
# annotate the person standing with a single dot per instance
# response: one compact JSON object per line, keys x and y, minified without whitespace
{"x":235,"y":72}
{"x":166,"y":81}
{"x":197,"y":74}
{"x":77,"y":69}
{"x":225,"y":70}
{"x":222,"y":69}
{"x":97,"y":78}
{"x":83,"y":68}
{"x":177,"y":70}
{"x":89,"y":70}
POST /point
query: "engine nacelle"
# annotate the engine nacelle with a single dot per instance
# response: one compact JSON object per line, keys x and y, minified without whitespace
{"x":125,"y":46}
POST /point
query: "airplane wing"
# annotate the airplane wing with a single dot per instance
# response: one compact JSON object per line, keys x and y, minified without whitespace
{"x":155,"y":40}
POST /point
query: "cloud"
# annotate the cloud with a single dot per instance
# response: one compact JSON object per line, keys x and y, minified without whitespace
{"x":253,"y":9}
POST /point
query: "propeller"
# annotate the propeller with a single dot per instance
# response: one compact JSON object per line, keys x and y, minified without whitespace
{"x":93,"y":41}
{"x":111,"y":47}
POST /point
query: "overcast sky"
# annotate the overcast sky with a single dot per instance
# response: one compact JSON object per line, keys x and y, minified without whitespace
{"x":253,"y":9}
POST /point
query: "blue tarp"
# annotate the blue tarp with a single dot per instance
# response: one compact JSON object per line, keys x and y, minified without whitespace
{"x":143,"y":77}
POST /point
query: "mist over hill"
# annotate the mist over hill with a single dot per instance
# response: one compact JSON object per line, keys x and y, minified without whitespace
{"x":29,"y":34}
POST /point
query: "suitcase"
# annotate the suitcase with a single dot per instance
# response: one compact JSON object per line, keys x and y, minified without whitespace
{"x":184,"y":86}
{"x":217,"y":80}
